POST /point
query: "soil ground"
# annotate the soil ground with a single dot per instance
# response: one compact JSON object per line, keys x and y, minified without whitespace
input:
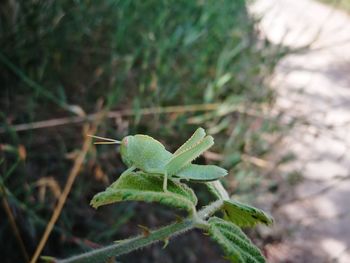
{"x":314,"y":87}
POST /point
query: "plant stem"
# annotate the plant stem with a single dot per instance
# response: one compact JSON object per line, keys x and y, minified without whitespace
{"x":131,"y":244}
{"x":210,"y":209}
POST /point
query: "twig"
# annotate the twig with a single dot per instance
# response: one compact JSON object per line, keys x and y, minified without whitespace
{"x":126,"y":112}
{"x":256,"y":161}
{"x":62,"y":199}
{"x":110,"y":114}
{"x":13,"y":223}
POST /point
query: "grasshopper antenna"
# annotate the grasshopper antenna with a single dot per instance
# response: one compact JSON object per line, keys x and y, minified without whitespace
{"x":107,"y":140}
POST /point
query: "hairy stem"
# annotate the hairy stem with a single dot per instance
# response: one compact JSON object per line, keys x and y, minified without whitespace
{"x":131,"y":244}
{"x":210,"y":209}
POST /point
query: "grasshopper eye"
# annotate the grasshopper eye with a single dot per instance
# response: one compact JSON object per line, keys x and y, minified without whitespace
{"x":125,"y":142}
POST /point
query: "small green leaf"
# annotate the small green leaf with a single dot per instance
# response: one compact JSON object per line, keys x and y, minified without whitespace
{"x":148,"y":188}
{"x":48,"y":259}
{"x":237,"y":246}
{"x":244,"y":215}
{"x":212,"y":189}
{"x":218,"y":190}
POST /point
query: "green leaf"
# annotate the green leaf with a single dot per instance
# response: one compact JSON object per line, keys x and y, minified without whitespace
{"x":218,"y":190}
{"x":244,"y":215}
{"x":237,"y":246}
{"x":148,"y":188}
{"x":212,"y":189}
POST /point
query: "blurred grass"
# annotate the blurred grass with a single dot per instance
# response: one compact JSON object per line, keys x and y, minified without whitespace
{"x":58,"y":58}
{"x":341,"y":4}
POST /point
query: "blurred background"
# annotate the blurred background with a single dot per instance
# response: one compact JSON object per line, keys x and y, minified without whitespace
{"x":269,"y":79}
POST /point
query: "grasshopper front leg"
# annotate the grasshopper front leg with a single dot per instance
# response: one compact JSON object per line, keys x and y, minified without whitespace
{"x":165,"y":179}
{"x":129,"y":170}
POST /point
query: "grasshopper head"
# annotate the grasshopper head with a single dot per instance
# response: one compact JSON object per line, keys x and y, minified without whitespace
{"x":124,"y":150}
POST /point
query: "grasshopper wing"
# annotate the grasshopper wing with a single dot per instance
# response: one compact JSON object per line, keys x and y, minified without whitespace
{"x":204,"y":173}
{"x":197,"y":136}
{"x":184,"y":158}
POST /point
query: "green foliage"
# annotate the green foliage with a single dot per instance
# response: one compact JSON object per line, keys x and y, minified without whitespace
{"x":74,"y":48}
{"x":245,"y":215}
{"x":148,"y":188}
{"x":238,"y":248}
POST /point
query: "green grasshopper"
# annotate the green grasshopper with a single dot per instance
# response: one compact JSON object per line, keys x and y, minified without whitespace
{"x":144,"y":153}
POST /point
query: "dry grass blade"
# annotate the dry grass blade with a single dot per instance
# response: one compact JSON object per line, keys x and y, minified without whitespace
{"x":128,"y":112}
{"x":61,"y":201}
{"x":13,"y":224}
{"x":111,"y":114}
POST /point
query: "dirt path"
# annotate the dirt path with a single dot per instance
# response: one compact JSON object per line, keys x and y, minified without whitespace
{"x":314,"y":86}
